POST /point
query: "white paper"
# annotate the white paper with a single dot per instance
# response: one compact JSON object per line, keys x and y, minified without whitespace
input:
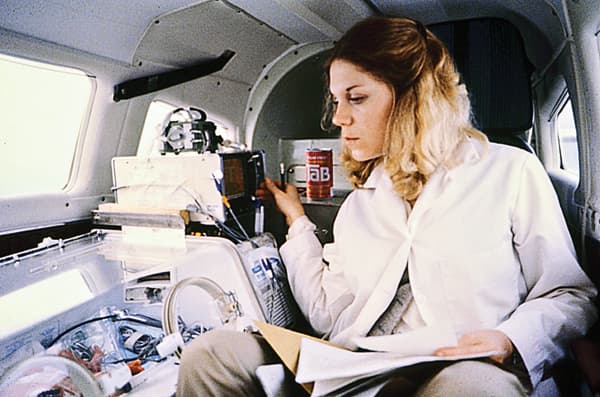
{"x":323,"y":387}
{"x":423,"y":341}
{"x":318,"y":361}
{"x":330,"y":367}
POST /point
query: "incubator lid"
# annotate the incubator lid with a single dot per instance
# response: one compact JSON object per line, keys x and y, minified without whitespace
{"x":59,"y":275}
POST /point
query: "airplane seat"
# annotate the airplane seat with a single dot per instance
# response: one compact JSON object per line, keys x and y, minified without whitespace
{"x":491,"y":58}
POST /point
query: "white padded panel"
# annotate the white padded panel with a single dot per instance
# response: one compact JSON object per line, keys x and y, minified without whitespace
{"x":307,"y":21}
{"x":226,"y":99}
{"x":205,"y":30}
{"x":341,"y":15}
{"x":280,"y":18}
{"x":109,"y":28}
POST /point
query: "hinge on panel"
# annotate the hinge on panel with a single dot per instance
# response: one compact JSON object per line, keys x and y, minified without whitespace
{"x":592,"y":218}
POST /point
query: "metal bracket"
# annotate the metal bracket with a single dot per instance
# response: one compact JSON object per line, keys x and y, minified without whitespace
{"x":147,"y":84}
{"x":170,"y":221}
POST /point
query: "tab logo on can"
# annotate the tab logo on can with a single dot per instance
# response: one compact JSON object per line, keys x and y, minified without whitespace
{"x":319,"y":173}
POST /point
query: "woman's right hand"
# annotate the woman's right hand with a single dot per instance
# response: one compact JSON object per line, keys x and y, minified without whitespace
{"x":288,"y":201}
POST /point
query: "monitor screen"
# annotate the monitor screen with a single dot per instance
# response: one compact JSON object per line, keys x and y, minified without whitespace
{"x":233,"y":176}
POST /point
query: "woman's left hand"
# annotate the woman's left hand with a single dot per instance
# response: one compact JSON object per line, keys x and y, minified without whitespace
{"x":486,"y":340}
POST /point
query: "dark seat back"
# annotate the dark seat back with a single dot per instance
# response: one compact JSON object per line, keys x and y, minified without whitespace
{"x":490,"y":55}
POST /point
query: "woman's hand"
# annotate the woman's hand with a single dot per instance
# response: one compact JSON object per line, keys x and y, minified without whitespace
{"x":480,"y":342}
{"x":287,"y":202}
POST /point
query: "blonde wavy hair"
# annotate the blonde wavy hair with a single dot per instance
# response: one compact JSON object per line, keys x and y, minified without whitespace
{"x":431,"y":110}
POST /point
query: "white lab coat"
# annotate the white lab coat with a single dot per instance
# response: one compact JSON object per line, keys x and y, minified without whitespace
{"x":486,"y":246}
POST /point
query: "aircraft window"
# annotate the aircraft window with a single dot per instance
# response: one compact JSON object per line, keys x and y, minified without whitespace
{"x":43,"y":109}
{"x":42,"y":300}
{"x":158,"y":111}
{"x":567,"y":138}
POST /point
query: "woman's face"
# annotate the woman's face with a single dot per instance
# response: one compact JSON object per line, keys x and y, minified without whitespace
{"x":363,"y":108}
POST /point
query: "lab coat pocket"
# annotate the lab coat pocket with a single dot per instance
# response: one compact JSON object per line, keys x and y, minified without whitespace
{"x":491,"y":268}
{"x":484,"y":284}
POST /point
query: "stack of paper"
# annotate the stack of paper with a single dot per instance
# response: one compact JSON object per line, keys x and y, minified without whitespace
{"x":338,"y":371}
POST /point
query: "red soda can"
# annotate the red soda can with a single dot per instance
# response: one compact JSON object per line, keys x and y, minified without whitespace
{"x":319,"y":173}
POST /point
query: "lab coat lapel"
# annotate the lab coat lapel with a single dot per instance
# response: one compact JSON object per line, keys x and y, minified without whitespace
{"x":388,"y":206}
{"x":391,"y":215}
{"x":432,"y":191}
{"x":378,"y":301}
{"x":467,"y":151}
{"x":405,"y":228}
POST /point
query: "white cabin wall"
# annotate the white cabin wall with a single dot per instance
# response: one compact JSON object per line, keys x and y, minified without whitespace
{"x":585,"y":22}
{"x":110,"y":28}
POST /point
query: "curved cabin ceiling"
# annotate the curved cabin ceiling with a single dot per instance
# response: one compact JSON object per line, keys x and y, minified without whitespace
{"x":127,"y":32}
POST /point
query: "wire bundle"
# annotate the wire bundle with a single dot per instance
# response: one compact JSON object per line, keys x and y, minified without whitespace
{"x":190,"y":332}
{"x":142,"y":344}
{"x":171,"y":321}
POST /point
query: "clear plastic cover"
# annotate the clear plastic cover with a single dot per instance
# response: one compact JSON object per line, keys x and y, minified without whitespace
{"x":49,"y":376}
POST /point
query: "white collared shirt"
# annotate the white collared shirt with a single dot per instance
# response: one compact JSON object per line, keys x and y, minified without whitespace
{"x":486,"y":247}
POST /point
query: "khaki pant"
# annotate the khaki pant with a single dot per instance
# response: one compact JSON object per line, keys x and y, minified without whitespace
{"x":223,"y":363}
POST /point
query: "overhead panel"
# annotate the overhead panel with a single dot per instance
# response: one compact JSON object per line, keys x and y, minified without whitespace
{"x":427,"y":11}
{"x":276,"y":15}
{"x":183,"y":37}
{"x":307,"y":21}
{"x":340,"y":14}
{"x":310,"y":17}
{"x":363,"y":8}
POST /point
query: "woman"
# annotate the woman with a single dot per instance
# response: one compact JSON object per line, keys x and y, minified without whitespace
{"x":440,"y":231}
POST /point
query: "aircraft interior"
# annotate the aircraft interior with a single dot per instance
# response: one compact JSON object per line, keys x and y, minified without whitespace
{"x":99,"y":213}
